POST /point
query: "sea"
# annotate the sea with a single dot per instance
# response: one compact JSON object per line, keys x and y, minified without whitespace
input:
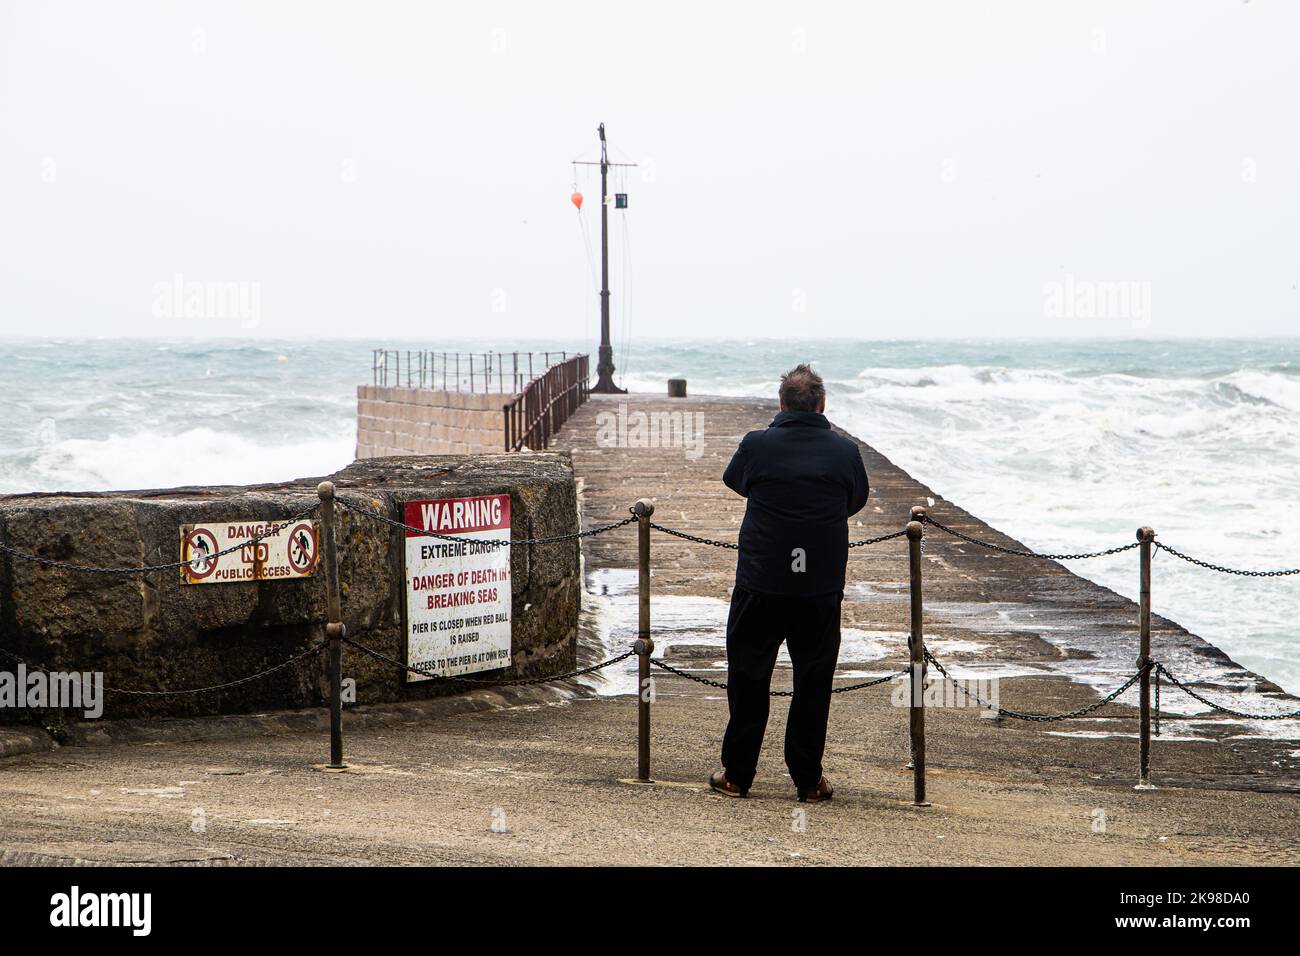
{"x":1067,"y":445}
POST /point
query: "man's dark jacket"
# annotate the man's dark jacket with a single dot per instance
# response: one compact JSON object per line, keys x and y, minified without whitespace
{"x":803,"y":481}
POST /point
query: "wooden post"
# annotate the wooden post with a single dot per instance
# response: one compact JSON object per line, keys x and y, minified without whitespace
{"x":1146,"y":536}
{"x":645,"y":645}
{"x":916,"y":647}
{"x":334,"y":629}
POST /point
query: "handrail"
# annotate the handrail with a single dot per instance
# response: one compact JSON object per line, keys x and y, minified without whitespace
{"x":546,"y":403}
{"x":490,"y":371}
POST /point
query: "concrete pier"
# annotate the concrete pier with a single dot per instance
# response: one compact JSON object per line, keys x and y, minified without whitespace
{"x":535,"y":778}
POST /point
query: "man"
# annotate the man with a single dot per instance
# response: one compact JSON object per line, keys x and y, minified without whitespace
{"x":803,"y":481}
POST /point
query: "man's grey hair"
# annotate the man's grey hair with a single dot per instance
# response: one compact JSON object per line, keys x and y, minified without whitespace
{"x":802,"y":389}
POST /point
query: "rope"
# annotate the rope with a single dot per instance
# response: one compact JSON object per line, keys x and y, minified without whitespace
{"x":549,"y":539}
{"x":1040,"y":718}
{"x":515,"y":682}
{"x":663,"y":665}
{"x":314,"y":649}
{"x":1223,"y":569}
{"x":144,"y":569}
{"x":926,"y":519}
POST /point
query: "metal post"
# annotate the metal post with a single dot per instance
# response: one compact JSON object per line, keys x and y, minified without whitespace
{"x":334,"y":629}
{"x":1146,"y":536}
{"x":605,"y":365}
{"x":916,"y":647}
{"x":645,"y":645}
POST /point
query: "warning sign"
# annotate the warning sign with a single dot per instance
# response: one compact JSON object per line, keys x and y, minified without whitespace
{"x":290,"y":551}
{"x":458,"y":592}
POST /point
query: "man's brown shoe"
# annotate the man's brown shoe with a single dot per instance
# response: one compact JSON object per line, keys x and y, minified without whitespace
{"x":823,"y":791}
{"x":720,"y":784}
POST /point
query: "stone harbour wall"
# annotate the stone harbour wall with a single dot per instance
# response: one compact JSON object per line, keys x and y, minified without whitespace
{"x":149,"y":631}
{"x":424,"y":421}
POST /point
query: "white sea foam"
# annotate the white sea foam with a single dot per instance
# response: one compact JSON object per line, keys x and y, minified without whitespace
{"x":196,"y":456}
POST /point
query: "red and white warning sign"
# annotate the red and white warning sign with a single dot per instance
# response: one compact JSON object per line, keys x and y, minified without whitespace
{"x":290,"y":551}
{"x":458,"y":592}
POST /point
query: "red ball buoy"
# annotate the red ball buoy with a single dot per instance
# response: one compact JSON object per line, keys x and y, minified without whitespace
{"x":576,"y":199}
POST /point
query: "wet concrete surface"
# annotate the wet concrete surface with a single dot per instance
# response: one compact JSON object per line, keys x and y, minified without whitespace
{"x":544,"y":781}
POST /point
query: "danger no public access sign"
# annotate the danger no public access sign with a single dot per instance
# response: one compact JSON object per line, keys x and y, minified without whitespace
{"x":458,"y":593}
{"x":289,"y":550}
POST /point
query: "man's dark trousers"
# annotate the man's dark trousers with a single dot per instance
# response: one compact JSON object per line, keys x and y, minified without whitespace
{"x":756,"y":626}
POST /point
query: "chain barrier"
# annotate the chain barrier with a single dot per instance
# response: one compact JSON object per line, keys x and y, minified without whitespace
{"x":1290,"y":715}
{"x":878,"y":539}
{"x":275,"y":668}
{"x":1156,"y":715}
{"x":926,"y":519}
{"x":1039,"y":718}
{"x":1223,"y":569}
{"x":733,"y":546}
{"x":516,"y":682}
{"x":722,"y":685}
{"x":549,"y":539}
{"x":1150,"y":668}
{"x":144,"y":569}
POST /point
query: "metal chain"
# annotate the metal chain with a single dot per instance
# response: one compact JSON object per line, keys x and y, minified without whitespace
{"x":869,"y":683}
{"x":1157,"y":713}
{"x":1041,"y":718}
{"x":314,"y":649}
{"x":721,"y":685}
{"x":171,"y":566}
{"x":734,"y":547}
{"x":1223,"y":569}
{"x":695,"y":538}
{"x":878,"y":539}
{"x":515,"y":682}
{"x":773,"y":693}
{"x":1029,"y":554}
{"x":1291,"y":715}
{"x":573,"y":535}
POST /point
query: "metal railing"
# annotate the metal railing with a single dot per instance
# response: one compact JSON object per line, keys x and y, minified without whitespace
{"x":484,"y":372}
{"x":545,"y":404}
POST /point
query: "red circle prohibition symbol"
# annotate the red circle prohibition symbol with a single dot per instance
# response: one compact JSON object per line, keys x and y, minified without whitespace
{"x":302,"y":567}
{"x":191,"y":541}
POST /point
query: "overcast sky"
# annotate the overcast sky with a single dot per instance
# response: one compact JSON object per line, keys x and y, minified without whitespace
{"x":871,"y":170}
